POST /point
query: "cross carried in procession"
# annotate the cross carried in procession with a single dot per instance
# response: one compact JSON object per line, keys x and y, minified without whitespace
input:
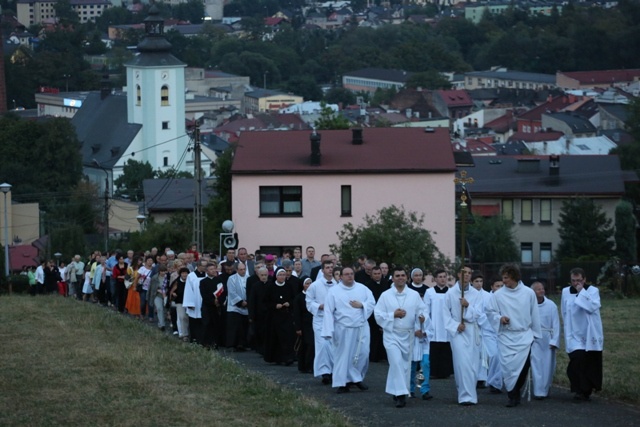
{"x":463,"y":181}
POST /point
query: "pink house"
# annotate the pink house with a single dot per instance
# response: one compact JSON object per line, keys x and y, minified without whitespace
{"x":297,"y":188}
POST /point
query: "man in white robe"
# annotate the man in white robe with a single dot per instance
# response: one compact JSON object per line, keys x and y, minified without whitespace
{"x":192,"y":301}
{"x":490,"y":342}
{"x":583,"y":335}
{"x":316,"y":294}
{"x":397,"y":311}
{"x":514,"y":310}
{"x":347,"y":307}
{"x":461,"y":321}
{"x":543,"y":350}
{"x":477,"y":281}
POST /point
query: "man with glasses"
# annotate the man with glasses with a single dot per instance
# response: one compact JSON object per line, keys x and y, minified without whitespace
{"x":583,"y":336}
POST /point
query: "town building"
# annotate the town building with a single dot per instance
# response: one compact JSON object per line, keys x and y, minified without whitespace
{"x":285,"y":194}
{"x":32,"y":12}
{"x":372,"y":79}
{"x":499,"y":77}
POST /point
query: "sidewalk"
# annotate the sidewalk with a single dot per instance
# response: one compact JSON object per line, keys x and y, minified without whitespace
{"x":375,"y":408}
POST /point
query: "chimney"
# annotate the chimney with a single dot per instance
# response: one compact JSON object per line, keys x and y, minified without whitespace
{"x":554,"y":165}
{"x":356,"y":136}
{"x":105,"y":86}
{"x":315,"y":148}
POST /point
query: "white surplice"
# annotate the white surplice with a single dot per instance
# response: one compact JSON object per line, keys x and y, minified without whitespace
{"x":520,"y":305}
{"x":398,"y":334}
{"x":237,"y":292}
{"x":192,"y":299}
{"x":435,"y":308}
{"x":582,"y":322}
{"x":315,"y":297}
{"x":543,"y":356}
{"x":490,"y":344}
{"x":348,"y":330}
{"x":465,"y":345}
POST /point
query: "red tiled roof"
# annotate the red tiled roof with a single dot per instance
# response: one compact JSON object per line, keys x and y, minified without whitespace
{"x":384,"y":150}
{"x":455,"y":98}
{"x":554,"y":105}
{"x":502,"y":123}
{"x":22,"y":255}
{"x":604,"y":76}
{"x":272,"y":21}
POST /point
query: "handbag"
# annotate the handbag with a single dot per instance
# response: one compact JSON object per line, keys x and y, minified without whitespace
{"x":128,"y":281}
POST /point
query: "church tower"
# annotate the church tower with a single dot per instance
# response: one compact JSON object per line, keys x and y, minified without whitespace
{"x":156,"y":98}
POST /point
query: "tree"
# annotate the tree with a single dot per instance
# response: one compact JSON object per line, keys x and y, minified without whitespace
{"x":585,"y":231}
{"x":430,"y":79}
{"x":339,"y":95}
{"x":172,"y":174}
{"x":174,"y":233}
{"x":391,"y":235}
{"x":130,"y":182}
{"x":491,"y":240}
{"x":625,"y":235}
{"x":329,"y":119}
{"x":219,"y":207}
{"x":192,"y":11}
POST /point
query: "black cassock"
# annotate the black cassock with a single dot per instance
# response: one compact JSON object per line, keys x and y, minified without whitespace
{"x":210,"y":311}
{"x":377,"y":351}
{"x":257,"y":313}
{"x":278,"y":346}
{"x":303,"y":321}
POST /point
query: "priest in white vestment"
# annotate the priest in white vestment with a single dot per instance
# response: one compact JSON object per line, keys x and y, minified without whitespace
{"x":543,"y":350}
{"x":461,"y":321}
{"x":347,"y":307}
{"x":490,"y":343}
{"x":397,"y":311}
{"x":515,"y":310}
{"x":316,"y":294}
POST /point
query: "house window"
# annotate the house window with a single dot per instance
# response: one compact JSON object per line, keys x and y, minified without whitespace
{"x":165,"y":125}
{"x":165,"y":161}
{"x":345,"y":200}
{"x":164,"y":96}
{"x":281,"y":201}
{"x":507,"y":209}
{"x":545,"y":253}
{"x":526,"y":210}
{"x":138,"y":95}
{"x":526,"y":253}
{"x":545,"y":210}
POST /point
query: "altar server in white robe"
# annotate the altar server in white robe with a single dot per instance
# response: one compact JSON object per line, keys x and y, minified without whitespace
{"x":316,"y":294}
{"x":440,"y":359}
{"x":490,"y":342}
{"x":477,"y":281}
{"x":461,"y":321}
{"x":516,"y":309}
{"x":583,"y":335}
{"x":543,"y":350}
{"x":192,"y":301}
{"x":397,"y":311}
{"x":347,"y":307}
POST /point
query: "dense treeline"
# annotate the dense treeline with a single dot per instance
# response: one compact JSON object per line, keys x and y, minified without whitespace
{"x":299,"y":59}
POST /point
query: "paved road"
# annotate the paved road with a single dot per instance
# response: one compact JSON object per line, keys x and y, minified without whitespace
{"x":375,"y":408}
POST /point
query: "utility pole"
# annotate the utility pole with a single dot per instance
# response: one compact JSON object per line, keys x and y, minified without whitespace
{"x":106,"y":212}
{"x":198,"y":232}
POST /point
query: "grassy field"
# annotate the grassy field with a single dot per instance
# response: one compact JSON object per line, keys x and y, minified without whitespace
{"x":70,"y":363}
{"x":621,"y":355}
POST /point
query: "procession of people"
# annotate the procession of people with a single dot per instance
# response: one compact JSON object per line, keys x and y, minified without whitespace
{"x":332,"y":321}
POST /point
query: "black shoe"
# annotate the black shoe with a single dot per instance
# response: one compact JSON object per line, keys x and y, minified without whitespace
{"x":362,"y":386}
{"x":427,"y":396}
{"x":581,"y":397}
{"x":494,"y":390}
{"x":412,"y":395}
{"x":326,"y":379}
{"x":342,"y":390}
{"x":401,"y":401}
{"x":539,"y":397}
{"x":512,"y":403}
{"x":467,"y":403}
{"x":481,"y":385}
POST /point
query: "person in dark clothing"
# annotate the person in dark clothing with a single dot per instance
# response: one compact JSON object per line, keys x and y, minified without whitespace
{"x":303,"y":325}
{"x":258,"y":309}
{"x":278,"y":299}
{"x":212,"y":292}
{"x":377,"y":285}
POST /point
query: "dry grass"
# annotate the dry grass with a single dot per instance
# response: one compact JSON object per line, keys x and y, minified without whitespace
{"x":621,"y":370}
{"x":70,"y":363}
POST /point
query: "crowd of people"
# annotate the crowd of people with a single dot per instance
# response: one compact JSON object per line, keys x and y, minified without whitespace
{"x":334,"y":320}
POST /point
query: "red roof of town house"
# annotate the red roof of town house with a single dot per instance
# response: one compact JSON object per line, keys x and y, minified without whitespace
{"x":604,"y":76}
{"x":22,"y":255}
{"x":536,"y":137}
{"x":553,"y":105}
{"x":455,"y":98}
{"x":384,"y":150}
{"x":271,"y":21}
{"x":503,"y":123}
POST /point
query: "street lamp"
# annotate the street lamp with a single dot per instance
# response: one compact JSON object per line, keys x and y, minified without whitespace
{"x":5,"y":188}
{"x":141,"y":218}
{"x":106,"y":205}
{"x":58,"y":255}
